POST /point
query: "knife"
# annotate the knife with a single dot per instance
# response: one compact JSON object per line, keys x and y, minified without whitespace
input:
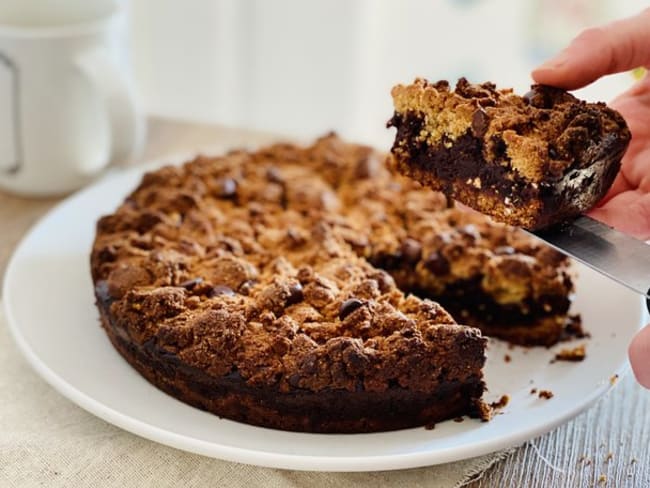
{"x":616,"y":255}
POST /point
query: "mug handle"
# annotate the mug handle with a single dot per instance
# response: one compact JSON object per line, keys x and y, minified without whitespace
{"x":118,"y":98}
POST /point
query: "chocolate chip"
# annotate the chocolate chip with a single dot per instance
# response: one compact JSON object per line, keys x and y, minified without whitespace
{"x":220,"y":290}
{"x":480,"y":123}
{"x":245,"y":287}
{"x":147,"y":221}
{"x":274,"y":175}
{"x":294,"y":380}
{"x":190,"y":284}
{"x":437,"y":263}
{"x":349,"y":306}
{"x":411,"y":250}
{"x":504,"y":250}
{"x":226,"y":188}
{"x":295,"y":294}
{"x":386,"y":260}
{"x":107,"y":254}
{"x":101,"y":291}
{"x":552,"y":152}
{"x":367,"y":166}
{"x":295,"y":236}
{"x":470,"y":231}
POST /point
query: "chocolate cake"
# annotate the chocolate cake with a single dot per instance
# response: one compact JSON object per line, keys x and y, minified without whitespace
{"x":297,"y":288}
{"x":530,"y":161}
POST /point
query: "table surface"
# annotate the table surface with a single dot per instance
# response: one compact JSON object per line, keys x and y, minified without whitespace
{"x":604,"y":446}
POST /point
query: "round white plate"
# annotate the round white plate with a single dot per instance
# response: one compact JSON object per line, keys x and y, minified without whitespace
{"x":51,"y":314}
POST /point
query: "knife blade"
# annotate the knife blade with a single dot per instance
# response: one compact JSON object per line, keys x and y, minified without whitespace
{"x":616,"y":255}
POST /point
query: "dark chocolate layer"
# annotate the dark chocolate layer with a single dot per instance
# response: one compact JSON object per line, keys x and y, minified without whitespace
{"x":451,"y":166}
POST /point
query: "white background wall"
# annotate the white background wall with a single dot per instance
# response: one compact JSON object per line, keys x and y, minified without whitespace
{"x":303,"y":67}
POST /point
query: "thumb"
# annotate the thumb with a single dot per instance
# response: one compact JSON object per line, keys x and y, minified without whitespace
{"x":615,"y":47}
{"x":639,"y":352}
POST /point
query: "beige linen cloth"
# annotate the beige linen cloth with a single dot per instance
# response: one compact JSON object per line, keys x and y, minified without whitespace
{"x":46,"y":440}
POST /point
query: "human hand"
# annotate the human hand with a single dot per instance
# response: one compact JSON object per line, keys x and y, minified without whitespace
{"x":613,"y":48}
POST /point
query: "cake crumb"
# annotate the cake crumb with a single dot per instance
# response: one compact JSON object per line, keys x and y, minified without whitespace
{"x":501,"y":402}
{"x":507,"y":358}
{"x":574,"y":328}
{"x":533,"y":391}
{"x":602,"y":479}
{"x":609,"y":457}
{"x":633,"y":461}
{"x":459,"y":419}
{"x":613,"y":379}
{"x":546,"y":394}
{"x":577,"y":353}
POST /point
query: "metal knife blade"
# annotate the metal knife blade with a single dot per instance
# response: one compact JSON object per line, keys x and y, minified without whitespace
{"x":616,"y":255}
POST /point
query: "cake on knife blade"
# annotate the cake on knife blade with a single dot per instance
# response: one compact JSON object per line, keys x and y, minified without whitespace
{"x":530,"y":161}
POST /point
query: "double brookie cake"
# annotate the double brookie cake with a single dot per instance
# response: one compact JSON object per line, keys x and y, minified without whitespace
{"x":297,"y":288}
{"x":530,"y":161}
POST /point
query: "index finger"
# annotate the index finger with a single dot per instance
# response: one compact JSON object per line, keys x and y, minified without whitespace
{"x":615,"y":47}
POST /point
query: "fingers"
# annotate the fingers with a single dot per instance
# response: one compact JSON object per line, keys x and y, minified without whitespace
{"x":612,"y":48}
{"x":628,"y":212}
{"x":639,"y":352}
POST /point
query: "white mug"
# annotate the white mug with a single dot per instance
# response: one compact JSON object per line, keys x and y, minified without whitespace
{"x":67,"y":104}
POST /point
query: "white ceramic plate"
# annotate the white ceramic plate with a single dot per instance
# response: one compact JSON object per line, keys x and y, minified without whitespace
{"x":51,"y":314}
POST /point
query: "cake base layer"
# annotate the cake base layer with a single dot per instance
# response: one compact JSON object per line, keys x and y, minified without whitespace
{"x":328,"y":411}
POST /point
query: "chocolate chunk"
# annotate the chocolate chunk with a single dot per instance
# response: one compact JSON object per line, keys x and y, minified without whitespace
{"x":107,"y":254}
{"x":296,"y":237}
{"x":480,"y":123}
{"x":368,"y":166}
{"x":245,"y":287}
{"x":101,"y":290}
{"x":274,"y":175}
{"x":295,"y":294}
{"x":437,"y":263}
{"x":226,"y":188}
{"x":349,"y":306}
{"x":147,"y":221}
{"x":411,"y":250}
{"x":190,"y":284}
{"x":387,"y":260}
{"x":504,"y":250}
{"x":220,"y":290}
{"x":470,"y":231}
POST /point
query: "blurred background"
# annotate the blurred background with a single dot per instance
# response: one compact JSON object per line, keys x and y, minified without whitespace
{"x":301,"y":68}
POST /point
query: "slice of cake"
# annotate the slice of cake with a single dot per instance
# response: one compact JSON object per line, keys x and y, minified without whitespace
{"x":530,"y":161}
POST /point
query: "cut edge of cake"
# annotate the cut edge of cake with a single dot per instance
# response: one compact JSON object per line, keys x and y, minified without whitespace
{"x":530,"y":161}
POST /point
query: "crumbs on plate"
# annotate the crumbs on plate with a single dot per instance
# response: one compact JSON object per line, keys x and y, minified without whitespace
{"x":575,"y":354}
